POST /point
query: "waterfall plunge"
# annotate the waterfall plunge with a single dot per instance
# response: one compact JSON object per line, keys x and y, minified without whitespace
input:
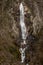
{"x":22,"y":24}
{"x":23,"y":30}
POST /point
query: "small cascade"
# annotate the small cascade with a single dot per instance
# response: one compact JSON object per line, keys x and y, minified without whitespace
{"x":22,"y":24}
{"x":24,"y":35}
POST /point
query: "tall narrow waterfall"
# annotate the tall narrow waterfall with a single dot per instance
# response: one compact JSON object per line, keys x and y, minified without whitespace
{"x":23,"y":30}
{"x":22,"y":24}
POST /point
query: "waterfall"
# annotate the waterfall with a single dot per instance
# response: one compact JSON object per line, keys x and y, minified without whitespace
{"x":22,"y":24}
{"x":23,"y":30}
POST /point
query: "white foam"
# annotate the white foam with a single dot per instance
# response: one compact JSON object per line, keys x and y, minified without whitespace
{"x":22,"y":51}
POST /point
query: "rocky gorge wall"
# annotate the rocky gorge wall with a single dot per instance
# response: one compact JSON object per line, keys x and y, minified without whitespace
{"x":10,"y":33}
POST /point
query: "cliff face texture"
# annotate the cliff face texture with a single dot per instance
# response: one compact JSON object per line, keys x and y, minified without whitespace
{"x":10,"y":32}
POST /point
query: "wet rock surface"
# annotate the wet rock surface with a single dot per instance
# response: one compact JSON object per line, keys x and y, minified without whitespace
{"x":10,"y":32}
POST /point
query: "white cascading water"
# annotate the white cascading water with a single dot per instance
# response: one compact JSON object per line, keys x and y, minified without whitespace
{"x":23,"y":30}
{"x":22,"y":24}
